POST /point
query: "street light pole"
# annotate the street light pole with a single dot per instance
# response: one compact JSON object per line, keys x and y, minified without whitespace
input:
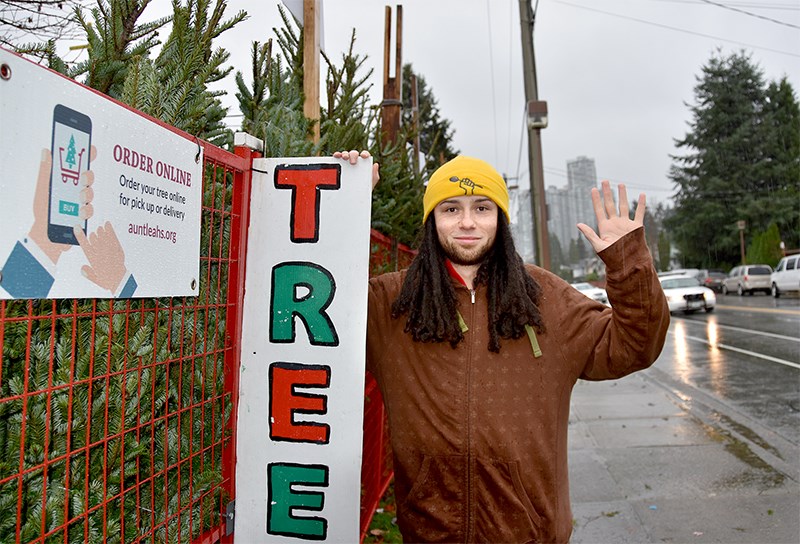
{"x":538,"y":205}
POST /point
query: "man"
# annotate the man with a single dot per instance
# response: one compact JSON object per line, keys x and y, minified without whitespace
{"x":476,"y":355}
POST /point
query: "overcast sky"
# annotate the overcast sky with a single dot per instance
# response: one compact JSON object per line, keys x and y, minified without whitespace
{"x":616,"y":74}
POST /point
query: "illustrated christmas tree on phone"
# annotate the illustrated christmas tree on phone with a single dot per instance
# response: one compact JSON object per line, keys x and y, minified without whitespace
{"x":71,"y":152}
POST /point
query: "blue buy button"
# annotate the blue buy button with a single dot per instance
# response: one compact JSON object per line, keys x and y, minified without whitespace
{"x":67,"y":208}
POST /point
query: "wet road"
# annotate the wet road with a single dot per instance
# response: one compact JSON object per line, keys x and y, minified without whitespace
{"x":741,"y":362}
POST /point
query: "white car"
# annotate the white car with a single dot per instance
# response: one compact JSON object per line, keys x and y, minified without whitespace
{"x":685,"y":294}
{"x":594,"y":293}
{"x":786,"y":276}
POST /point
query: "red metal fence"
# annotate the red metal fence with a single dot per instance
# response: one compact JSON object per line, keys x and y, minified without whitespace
{"x":118,"y":417}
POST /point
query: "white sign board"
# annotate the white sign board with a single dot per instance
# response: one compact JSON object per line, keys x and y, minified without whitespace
{"x":301,"y":394}
{"x":97,"y":200}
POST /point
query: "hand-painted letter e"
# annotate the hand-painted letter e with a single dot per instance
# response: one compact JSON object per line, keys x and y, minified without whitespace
{"x":306,"y":181}
{"x":283,"y":501}
{"x":285,"y":402}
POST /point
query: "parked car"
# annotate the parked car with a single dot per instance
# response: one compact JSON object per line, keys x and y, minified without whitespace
{"x":592,"y":292}
{"x":712,"y":279}
{"x":747,"y":279}
{"x":786,"y":276}
{"x":680,"y":272}
{"x":685,"y":294}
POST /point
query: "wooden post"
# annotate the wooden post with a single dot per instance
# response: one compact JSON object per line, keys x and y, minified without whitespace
{"x":392,"y":86}
{"x":415,"y":119}
{"x":311,"y":54}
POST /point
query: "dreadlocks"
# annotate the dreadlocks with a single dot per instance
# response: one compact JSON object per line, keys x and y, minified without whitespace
{"x":429,"y":299}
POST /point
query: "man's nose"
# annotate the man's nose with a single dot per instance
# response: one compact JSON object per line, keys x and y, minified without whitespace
{"x":467,"y":221}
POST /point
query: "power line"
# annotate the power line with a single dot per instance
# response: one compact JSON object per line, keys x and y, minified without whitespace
{"x":757,"y":16}
{"x":675,"y":28}
{"x":775,"y":6}
{"x":491,"y":78}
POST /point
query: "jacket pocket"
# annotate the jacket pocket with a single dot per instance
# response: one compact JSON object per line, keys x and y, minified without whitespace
{"x":504,"y":511}
{"x":433,"y":511}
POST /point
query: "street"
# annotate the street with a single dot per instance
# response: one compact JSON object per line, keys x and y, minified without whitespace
{"x":705,"y":445}
{"x":745,"y":355}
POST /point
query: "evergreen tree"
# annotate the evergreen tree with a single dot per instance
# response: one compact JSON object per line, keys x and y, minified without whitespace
{"x":664,"y":252}
{"x":740,"y":162}
{"x":116,"y":39}
{"x":345,"y":122}
{"x":174,"y":86}
{"x":765,"y":248}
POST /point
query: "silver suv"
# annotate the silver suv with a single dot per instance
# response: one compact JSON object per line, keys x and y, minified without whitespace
{"x":747,"y":279}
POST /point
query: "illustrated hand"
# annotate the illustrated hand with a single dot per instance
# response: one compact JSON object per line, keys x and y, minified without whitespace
{"x":352,"y":157}
{"x":106,"y":258}
{"x":611,"y":226}
{"x":38,"y":232}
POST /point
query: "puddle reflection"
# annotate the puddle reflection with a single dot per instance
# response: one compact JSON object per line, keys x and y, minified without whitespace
{"x":681,"y":351}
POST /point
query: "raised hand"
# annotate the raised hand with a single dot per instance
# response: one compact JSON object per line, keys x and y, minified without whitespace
{"x":612,"y":225}
{"x":352,"y":158}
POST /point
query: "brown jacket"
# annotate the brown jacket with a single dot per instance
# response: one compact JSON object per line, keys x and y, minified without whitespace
{"x":480,"y":438}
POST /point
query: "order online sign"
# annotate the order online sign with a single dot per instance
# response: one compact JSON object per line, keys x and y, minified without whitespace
{"x":301,"y":396}
{"x":97,"y":200}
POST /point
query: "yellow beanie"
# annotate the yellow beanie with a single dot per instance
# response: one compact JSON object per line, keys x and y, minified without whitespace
{"x":465,"y":176}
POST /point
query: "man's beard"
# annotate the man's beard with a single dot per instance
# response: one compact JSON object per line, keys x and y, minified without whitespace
{"x":465,"y":257}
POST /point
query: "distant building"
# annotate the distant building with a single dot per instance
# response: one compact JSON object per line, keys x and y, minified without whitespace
{"x":519,"y":208}
{"x":573,"y":204}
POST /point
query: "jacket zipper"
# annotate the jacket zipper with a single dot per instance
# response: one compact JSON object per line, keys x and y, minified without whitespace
{"x":470,"y":482}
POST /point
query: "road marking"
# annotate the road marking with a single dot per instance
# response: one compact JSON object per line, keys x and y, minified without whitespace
{"x":739,"y":329}
{"x":743,"y":351}
{"x":763,"y":310}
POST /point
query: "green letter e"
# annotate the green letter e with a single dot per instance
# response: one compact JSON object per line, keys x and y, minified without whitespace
{"x":282,"y":500}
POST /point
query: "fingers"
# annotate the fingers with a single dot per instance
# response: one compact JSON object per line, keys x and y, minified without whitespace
{"x":589,"y":233}
{"x":44,"y":166}
{"x":376,"y":175}
{"x":42,"y":184}
{"x":608,"y":199}
{"x":641,"y":206}
{"x":624,"y":211}
{"x":80,"y":236}
{"x":351,"y":156}
{"x":597,"y":205}
{"x":89,"y":273}
{"x":92,"y":154}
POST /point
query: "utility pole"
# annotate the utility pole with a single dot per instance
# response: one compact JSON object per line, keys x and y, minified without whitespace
{"x":392,"y":86}
{"x":536,"y":110}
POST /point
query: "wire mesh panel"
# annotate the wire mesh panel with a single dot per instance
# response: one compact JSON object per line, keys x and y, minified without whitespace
{"x":115,"y":414}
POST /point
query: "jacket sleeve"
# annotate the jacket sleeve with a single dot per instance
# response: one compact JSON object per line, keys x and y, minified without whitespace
{"x":631,"y":336}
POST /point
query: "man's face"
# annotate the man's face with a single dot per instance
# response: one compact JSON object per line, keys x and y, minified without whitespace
{"x":466,"y":226}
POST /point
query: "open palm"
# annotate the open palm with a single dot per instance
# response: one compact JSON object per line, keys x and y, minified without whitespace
{"x":612,"y":224}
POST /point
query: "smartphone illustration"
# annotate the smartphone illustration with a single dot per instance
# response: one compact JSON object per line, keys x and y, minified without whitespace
{"x":70,"y":144}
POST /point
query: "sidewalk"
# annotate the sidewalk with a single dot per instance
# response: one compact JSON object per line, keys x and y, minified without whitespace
{"x":643,"y":469}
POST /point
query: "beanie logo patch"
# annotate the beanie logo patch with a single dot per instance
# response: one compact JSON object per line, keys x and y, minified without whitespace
{"x":466,"y":184}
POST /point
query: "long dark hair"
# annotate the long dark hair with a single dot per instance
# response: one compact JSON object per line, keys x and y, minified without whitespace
{"x":429,"y":299}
